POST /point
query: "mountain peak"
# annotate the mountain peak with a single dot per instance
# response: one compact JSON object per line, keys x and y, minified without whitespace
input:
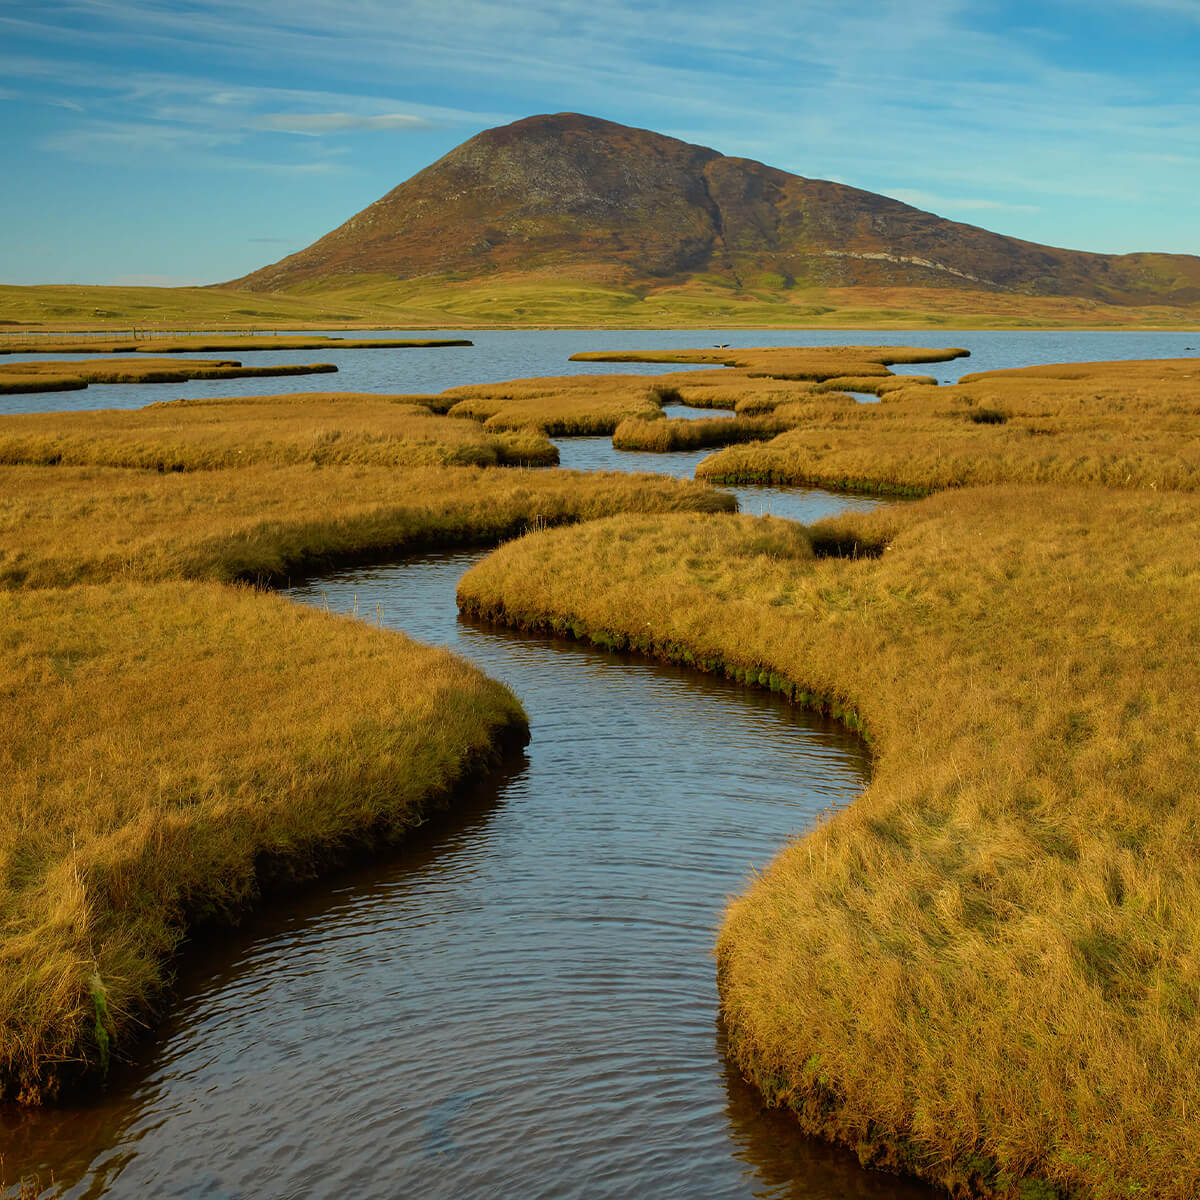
{"x":585,"y":197}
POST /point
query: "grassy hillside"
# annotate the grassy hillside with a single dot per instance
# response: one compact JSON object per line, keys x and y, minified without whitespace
{"x":524,"y":301}
{"x":577,"y":197}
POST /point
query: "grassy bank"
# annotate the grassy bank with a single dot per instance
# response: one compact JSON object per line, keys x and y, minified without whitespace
{"x":161,"y":745}
{"x":65,"y":525}
{"x":789,"y":362}
{"x":637,"y":433}
{"x":201,"y":343}
{"x":324,"y":430}
{"x":543,"y":300}
{"x":72,"y":375}
{"x":983,"y":971}
{"x":1132,"y":424}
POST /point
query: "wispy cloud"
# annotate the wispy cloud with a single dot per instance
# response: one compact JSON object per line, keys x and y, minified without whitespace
{"x":945,"y":204}
{"x":314,"y":124}
{"x":150,"y":144}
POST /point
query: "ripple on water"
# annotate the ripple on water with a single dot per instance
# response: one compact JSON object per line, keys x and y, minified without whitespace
{"x":520,"y":1001}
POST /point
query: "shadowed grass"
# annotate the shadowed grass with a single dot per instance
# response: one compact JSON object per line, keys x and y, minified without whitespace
{"x":984,"y":970}
{"x":1132,"y":424}
{"x":68,"y":376}
{"x":188,"y":435}
{"x":160,"y":745}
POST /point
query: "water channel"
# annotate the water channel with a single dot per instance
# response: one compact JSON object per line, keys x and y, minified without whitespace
{"x":521,"y":1000}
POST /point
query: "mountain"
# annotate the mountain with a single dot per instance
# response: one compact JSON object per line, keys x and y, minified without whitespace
{"x":586,"y":198}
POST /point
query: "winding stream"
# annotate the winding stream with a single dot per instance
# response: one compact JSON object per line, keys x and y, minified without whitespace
{"x":519,"y":1002}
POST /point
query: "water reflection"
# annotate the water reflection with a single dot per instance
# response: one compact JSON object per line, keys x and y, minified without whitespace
{"x":782,"y":1165}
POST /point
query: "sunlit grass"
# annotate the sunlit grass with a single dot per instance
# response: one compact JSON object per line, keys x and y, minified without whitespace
{"x":752,"y":381}
{"x":65,"y":525}
{"x":543,"y":299}
{"x":71,"y":375}
{"x":164,"y":736}
{"x":163,"y":745}
{"x":984,"y":970}
{"x":188,"y":435}
{"x":1131,"y":424}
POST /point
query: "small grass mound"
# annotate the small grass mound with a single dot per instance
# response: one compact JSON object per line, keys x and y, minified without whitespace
{"x":160,"y":745}
{"x":68,"y":376}
{"x":661,"y":436}
{"x":812,"y":363}
{"x":571,"y":406}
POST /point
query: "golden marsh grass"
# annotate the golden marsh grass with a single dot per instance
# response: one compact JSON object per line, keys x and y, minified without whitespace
{"x":189,"y":435}
{"x":67,"y":525}
{"x":1130,"y":424}
{"x":164,"y":735}
{"x":789,"y":362}
{"x":159,"y":744}
{"x":570,"y":406}
{"x":750,"y":381}
{"x":984,"y":970}
{"x":68,"y":375}
{"x":637,"y":433}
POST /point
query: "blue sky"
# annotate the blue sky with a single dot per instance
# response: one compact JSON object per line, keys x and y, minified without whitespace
{"x":155,"y":141}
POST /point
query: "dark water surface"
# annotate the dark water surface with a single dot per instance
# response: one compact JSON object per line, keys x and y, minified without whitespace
{"x":519,"y":1003}
{"x":516,"y":354}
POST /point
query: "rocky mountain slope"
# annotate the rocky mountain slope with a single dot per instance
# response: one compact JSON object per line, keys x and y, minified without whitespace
{"x":586,"y":198}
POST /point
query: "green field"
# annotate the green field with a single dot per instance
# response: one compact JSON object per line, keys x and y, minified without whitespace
{"x":534,"y":301}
